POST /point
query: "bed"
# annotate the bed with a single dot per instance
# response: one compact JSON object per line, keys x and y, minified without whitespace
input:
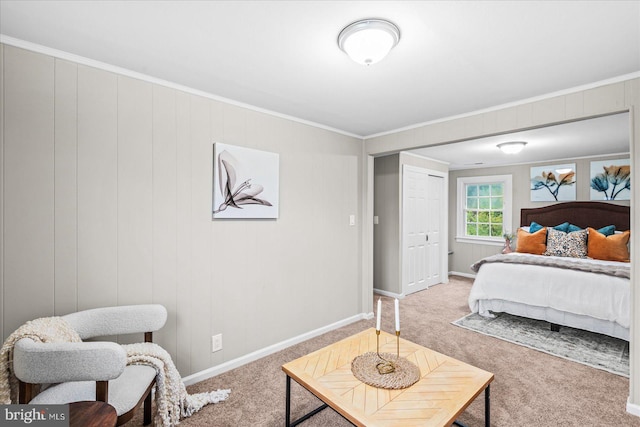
{"x":589,"y":294}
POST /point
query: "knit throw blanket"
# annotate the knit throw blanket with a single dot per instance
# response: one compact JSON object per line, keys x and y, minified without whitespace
{"x":171,"y":398}
{"x":46,"y":329}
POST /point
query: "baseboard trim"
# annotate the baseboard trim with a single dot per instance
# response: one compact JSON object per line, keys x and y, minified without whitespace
{"x":258,"y":354}
{"x":401,"y":296}
{"x":632,"y":408}
{"x":467,"y":275}
{"x":387,"y":293}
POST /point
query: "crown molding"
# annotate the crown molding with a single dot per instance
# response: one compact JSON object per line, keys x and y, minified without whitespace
{"x":11,"y":41}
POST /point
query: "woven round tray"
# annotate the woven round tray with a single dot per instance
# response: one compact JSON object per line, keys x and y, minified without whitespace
{"x":364,"y":369}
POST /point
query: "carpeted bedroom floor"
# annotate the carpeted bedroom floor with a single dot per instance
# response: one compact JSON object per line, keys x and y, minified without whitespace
{"x":531,"y":388}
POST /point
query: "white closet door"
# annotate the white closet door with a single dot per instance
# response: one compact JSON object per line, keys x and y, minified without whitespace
{"x":422,"y":229}
{"x":435,"y":201}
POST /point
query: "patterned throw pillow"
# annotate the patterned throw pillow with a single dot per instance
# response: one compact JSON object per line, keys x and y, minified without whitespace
{"x":566,"y":244}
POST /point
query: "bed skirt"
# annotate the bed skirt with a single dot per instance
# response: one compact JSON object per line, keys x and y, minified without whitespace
{"x":554,"y":316}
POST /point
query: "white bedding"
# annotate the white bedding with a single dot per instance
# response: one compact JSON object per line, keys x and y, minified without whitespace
{"x":593,"y":296}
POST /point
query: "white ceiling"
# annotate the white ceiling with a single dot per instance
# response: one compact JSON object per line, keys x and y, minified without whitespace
{"x":586,"y":138}
{"x":454,"y":57}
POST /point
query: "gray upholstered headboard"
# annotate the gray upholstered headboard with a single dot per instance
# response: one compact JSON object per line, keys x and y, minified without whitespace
{"x":582,"y":214}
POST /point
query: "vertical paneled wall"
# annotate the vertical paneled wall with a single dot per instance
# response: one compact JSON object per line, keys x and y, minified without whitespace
{"x":2,"y":118}
{"x":97,"y":186}
{"x":386,"y":233}
{"x":28,"y":175}
{"x":164,"y":207}
{"x":134,"y":180}
{"x":65,"y":237}
{"x":105,"y":199}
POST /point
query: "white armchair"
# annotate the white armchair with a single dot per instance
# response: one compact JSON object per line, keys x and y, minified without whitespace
{"x":79,"y":371}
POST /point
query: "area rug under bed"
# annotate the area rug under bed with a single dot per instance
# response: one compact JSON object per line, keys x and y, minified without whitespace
{"x":596,"y":350}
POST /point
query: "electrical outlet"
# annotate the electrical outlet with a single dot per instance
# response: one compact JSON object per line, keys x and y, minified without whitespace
{"x":216,"y":343}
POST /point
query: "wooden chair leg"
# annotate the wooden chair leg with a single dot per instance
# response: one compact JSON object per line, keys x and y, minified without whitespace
{"x":26,"y":392}
{"x":102,"y":391}
{"x":147,"y":409}
{"x":148,"y":337}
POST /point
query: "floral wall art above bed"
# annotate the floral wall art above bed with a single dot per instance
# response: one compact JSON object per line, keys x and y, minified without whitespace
{"x":553,"y":183}
{"x":245,"y":182}
{"x":611,"y":180}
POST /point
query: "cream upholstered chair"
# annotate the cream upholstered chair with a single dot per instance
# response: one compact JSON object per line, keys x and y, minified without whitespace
{"x":94,"y":370}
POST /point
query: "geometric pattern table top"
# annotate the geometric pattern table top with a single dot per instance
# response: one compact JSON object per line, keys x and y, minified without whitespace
{"x":445,"y":388}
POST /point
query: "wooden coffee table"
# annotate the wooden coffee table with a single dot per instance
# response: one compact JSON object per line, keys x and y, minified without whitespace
{"x":445,"y":389}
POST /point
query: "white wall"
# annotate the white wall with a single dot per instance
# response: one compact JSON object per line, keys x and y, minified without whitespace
{"x":106,"y":200}
{"x":388,"y":208}
{"x":386,"y":234}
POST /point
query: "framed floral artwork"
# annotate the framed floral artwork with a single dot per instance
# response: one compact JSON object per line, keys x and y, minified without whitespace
{"x":610,"y":180}
{"x":553,"y":183}
{"x":245,"y":182}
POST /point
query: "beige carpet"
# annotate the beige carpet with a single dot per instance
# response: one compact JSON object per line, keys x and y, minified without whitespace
{"x":530,"y":389}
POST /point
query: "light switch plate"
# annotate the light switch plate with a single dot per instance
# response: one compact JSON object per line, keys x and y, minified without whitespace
{"x":216,"y":343}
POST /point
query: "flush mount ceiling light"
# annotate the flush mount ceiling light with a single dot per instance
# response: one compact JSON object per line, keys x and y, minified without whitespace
{"x":563,"y":171}
{"x":512,"y":147}
{"x":369,"y":40}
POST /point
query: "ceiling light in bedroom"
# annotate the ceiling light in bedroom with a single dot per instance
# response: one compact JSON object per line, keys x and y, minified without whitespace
{"x":563,"y":171}
{"x":512,"y":147}
{"x":369,"y":40}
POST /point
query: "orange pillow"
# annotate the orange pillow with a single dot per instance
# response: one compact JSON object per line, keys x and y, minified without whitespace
{"x":608,"y":248}
{"x":532,"y":243}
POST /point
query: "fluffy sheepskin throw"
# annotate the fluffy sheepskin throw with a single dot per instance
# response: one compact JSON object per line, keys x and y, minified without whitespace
{"x":46,"y":329}
{"x":172,"y":400}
